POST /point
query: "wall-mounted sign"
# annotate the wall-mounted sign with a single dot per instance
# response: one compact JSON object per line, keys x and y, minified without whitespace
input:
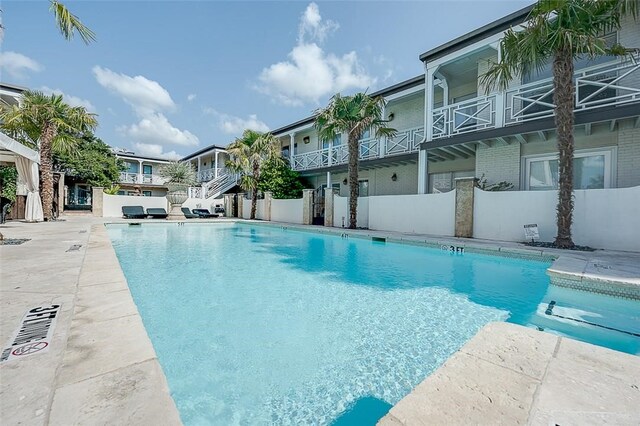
{"x":531,"y":232}
{"x":34,"y":333}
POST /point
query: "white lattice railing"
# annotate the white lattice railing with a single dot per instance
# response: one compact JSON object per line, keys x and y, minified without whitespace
{"x":404,"y":141}
{"x":609,"y":84}
{"x":462,"y":117}
{"x":126,"y":177}
{"x":195,"y":192}
{"x":225,"y":181}
{"x":209,"y":174}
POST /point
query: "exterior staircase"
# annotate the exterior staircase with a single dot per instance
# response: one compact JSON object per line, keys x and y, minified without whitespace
{"x":216,"y":186}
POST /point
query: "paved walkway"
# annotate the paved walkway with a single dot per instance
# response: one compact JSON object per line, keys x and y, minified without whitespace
{"x":101,"y":367}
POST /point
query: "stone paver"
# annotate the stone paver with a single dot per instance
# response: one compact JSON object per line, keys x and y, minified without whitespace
{"x":509,"y":374}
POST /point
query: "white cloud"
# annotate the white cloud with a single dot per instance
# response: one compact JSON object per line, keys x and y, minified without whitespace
{"x":191,"y":97}
{"x":70,"y":99}
{"x":312,"y":26}
{"x":310,"y":73}
{"x":18,"y":65}
{"x":149,"y":100}
{"x":236,"y":125}
{"x":144,"y":95}
{"x":156,"y":129}
{"x":155,"y":150}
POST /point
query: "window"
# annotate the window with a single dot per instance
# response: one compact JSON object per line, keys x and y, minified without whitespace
{"x":336,"y":141}
{"x":132,"y":167}
{"x":146,"y":193}
{"x":591,"y":170}
{"x":147,"y":169}
{"x":121,"y":193}
{"x":363,"y":188}
{"x":445,"y":182}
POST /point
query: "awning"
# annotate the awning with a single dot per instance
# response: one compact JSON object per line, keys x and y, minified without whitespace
{"x":10,"y":147}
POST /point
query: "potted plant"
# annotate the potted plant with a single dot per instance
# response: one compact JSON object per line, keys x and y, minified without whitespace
{"x":180,"y":176}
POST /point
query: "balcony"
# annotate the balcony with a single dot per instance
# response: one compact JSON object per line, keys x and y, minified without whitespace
{"x":405,"y":141}
{"x":209,"y":174}
{"x":141,"y":178}
{"x":611,"y":84}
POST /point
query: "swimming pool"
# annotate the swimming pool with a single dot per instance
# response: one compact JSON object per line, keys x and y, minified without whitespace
{"x":263,"y":325}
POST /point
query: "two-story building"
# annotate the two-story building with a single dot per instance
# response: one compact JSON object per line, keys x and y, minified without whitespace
{"x":141,"y":176}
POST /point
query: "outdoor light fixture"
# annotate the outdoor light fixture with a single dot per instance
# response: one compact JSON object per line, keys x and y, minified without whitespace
{"x":344,"y":181}
{"x":306,"y":139}
{"x":391,"y":116}
{"x":394,"y":177}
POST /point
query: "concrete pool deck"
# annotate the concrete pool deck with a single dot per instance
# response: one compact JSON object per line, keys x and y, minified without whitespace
{"x":101,"y":367}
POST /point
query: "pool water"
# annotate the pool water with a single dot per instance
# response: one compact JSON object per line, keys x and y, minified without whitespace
{"x":263,"y":325}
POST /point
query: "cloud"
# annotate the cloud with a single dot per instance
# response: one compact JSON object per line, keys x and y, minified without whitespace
{"x":310,"y":73}
{"x":144,"y":95}
{"x":155,"y":150}
{"x":191,"y":97}
{"x":231,"y":124}
{"x":312,"y":26}
{"x":70,"y":99}
{"x":18,"y":65}
{"x":156,"y":129}
{"x":149,"y":100}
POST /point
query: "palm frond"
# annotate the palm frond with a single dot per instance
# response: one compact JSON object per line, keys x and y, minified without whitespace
{"x":69,"y":24}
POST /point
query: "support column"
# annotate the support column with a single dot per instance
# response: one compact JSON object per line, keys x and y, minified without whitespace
{"x":329,"y":206}
{"x":292,"y":144}
{"x":464,"y":206}
{"x":240,"y":205}
{"x":328,"y":180}
{"x":97,"y":195}
{"x":268,"y":196}
{"x":140,"y":171}
{"x":228,"y":205}
{"x":423,"y":172}
{"x":307,"y":206}
{"x":216,"y":164}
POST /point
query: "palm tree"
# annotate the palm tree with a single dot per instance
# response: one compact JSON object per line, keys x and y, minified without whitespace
{"x":353,"y":115}
{"x":46,"y":122}
{"x":69,"y":24}
{"x":561,"y":31}
{"x":248,"y":154}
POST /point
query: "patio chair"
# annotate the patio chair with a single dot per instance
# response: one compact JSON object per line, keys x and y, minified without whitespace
{"x":187,"y":213}
{"x":133,"y":212}
{"x":157,"y":213}
{"x":203,"y":213}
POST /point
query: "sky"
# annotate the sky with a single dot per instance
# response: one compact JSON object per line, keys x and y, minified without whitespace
{"x":167,"y":78}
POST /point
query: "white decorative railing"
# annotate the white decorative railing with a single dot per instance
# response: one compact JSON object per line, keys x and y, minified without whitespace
{"x":195,"y":192}
{"x":209,"y":174}
{"x":609,"y":84}
{"x":223,"y":182}
{"x":405,"y":141}
{"x":462,"y":117}
{"x":126,"y":177}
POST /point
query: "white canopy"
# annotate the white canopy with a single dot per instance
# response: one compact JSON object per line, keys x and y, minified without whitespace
{"x":27,"y":161}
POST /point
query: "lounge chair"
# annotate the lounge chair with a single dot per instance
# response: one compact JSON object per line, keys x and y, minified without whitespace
{"x":187,"y":213}
{"x":133,"y":212}
{"x":204,"y":213}
{"x":157,"y":213}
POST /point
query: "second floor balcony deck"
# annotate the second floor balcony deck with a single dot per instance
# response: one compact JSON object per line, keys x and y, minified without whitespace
{"x":607,"y":85}
{"x":404,"y":142}
{"x":141,"y":178}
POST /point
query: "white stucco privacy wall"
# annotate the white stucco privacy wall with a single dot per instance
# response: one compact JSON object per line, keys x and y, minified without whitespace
{"x":259,"y":209}
{"x":112,"y":204}
{"x":289,"y":211}
{"x":603,"y":218}
{"x":432,"y":214}
{"x":199,"y":203}
{"x":341,"y":212}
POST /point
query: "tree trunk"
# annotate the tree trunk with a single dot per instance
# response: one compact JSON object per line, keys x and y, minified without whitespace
{"x":254,"y":193}
{"x":46,"y":169}
{"x":354,"y":188}
{"x":564,"y":100}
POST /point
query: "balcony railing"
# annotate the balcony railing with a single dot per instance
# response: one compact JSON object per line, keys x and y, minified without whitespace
{"x":209,"y":174}
{"x":405,"y":141}
{"x":133,"y":178}
{"x":613,"y":83}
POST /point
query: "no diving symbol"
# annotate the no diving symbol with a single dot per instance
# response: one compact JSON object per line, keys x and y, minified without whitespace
{"x":29,"y":348}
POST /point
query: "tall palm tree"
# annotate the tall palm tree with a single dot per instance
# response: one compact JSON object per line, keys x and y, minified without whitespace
{"x":69,"y":24}
{"x":248,"y":155}
{"x":353,"y":115}
{"x":46,"y":122}
{"x":561,"y":31}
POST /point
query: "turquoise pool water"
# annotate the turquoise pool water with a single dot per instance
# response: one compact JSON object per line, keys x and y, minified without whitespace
{"x":260,"y":325}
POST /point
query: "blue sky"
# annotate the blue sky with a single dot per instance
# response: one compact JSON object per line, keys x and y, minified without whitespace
{"x":169,"y":77}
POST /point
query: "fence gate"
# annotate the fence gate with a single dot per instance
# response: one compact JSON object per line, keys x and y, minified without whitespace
{"x":234,"y":209}
{"x":318,"y":206}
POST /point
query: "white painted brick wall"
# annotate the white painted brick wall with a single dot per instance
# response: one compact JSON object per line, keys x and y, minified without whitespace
{"x":499,"y":163}
{"x":628,"y":157}
{"x":408,"y":112}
